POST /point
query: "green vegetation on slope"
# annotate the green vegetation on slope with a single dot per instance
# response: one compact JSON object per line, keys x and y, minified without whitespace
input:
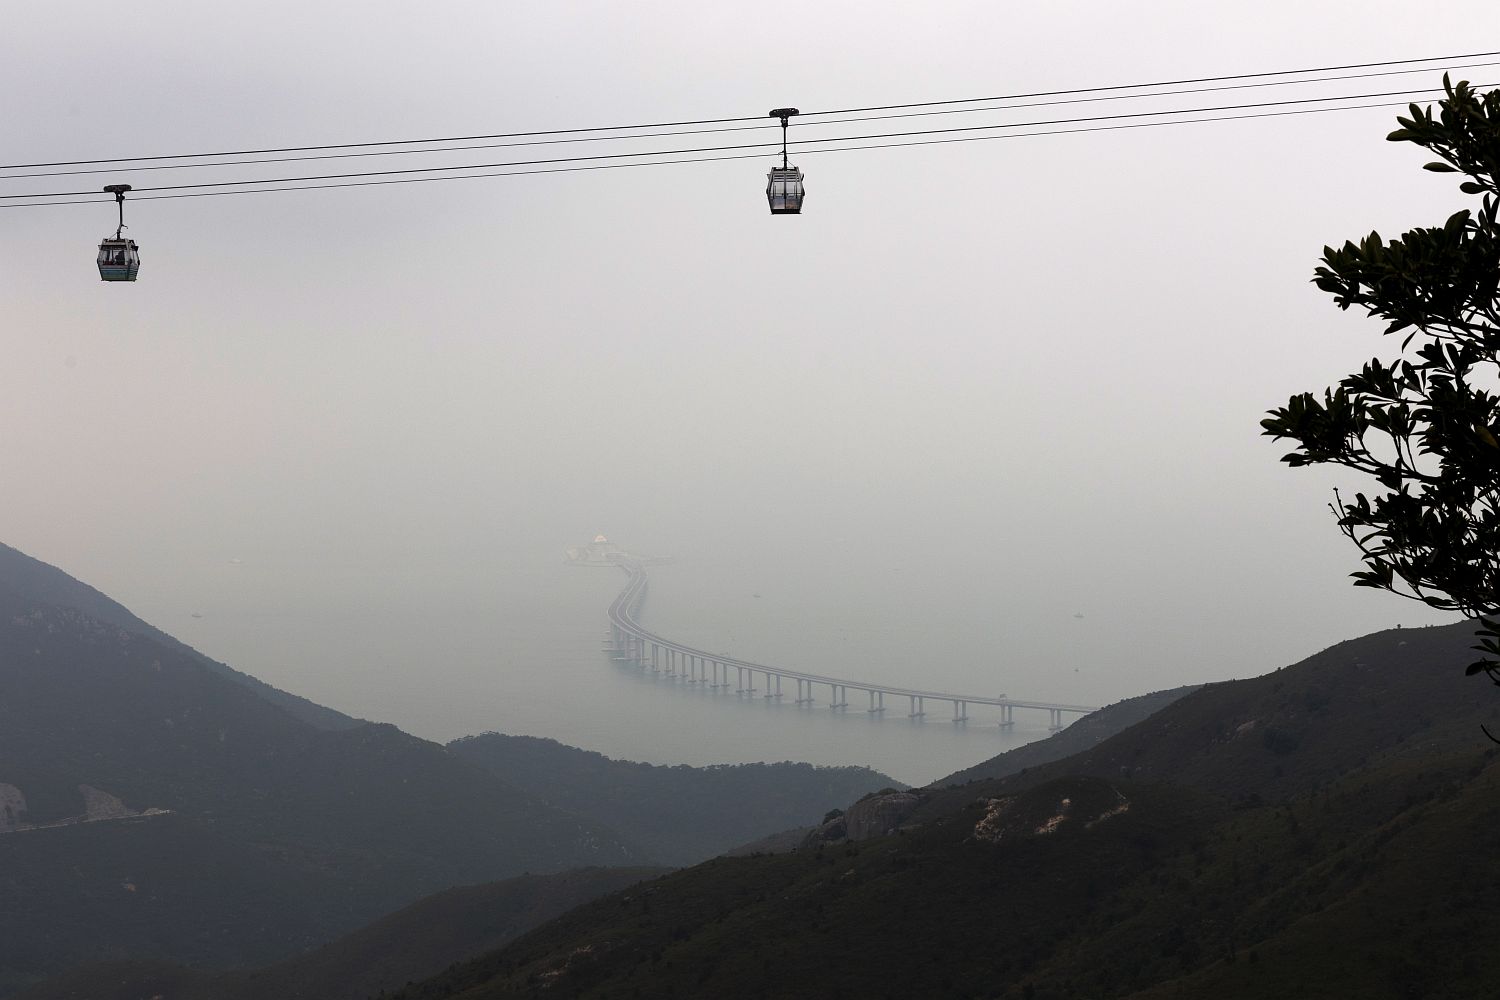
{"x":280,"y":834}
{"x":1085,"y":734}
{"x":418,"y":941}
{"x":680,"y":815}
{"x":1328,"y":830}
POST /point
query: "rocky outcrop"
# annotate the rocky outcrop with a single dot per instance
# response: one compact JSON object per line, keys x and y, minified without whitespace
{"x":12,"y":808}
{"x":99,"y":805}
{"x":1042,"y":811}
{"x":878,"y":814}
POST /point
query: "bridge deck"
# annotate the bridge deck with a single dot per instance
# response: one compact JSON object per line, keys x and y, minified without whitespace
{"x":622,"y":616}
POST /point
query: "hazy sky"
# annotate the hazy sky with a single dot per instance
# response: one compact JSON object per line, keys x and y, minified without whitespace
{"x":976,"y":388}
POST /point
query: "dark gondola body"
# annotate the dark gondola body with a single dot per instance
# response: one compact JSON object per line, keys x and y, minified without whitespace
{"x":785,"y":190}
{"x":119,"y":259}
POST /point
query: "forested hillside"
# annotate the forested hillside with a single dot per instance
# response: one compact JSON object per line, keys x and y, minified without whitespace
{"x":1327,"y":830}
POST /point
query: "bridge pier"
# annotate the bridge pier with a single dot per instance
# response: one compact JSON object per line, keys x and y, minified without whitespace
{"x":626,"y":641}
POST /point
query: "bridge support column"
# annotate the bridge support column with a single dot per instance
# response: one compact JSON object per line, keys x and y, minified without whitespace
{"x":915,"y":704}
{"x":877,"y":702}
{"x":769,"y":693}
{"x":960,"y":711}
{"x":1007,"y":716}
{"x":1056,"y":722}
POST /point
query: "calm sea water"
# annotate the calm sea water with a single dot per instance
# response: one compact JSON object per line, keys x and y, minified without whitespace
{"x":524,"y":654}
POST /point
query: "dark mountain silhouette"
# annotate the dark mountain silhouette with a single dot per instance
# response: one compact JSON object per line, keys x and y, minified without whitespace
{"x":40,"y":583}
{"x":681,"y":815}
{"x":1084,"y":734}
{"x":411,"y":944}
{"x":1400,"y":693}
{"x":867,"y":814}
{"x":222,"y":828}
{"x":1328,"y":830}
{"x":158,"y":808}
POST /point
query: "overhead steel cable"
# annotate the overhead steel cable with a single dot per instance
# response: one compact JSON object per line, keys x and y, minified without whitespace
{"x":1159,"y":83}
{"x":710,"y":159}
{"x":383,"y":142}
{"x":717,"y":149}
{"x":589,"y":134}
{"x":1124,"y":97}
{"x":388,"y":152}
{"x":737,"y":128}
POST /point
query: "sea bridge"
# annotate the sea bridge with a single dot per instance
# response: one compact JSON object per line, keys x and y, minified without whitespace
{"x":633,"y":643}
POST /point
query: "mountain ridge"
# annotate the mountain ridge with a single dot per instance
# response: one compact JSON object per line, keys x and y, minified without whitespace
{"x":38,"y":581}
{"x":1329,"y":829}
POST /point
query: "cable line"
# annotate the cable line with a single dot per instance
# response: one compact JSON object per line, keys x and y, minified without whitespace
{"x":385,"y":142}
{"x":710,"y":159}
{"x":388,"y":152}
{"x":716,"y":149}
{"x":1161,"y":83}
{"x":1129,"y":97}
{"x":590,"y":134}
{"x":708,"y":131}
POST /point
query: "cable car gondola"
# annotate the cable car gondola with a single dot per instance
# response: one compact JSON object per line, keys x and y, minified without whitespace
{"x":784,"y":188}
{"x":119,"y":258}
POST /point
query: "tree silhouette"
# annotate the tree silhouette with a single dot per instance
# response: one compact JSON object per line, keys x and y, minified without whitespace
{"x":1425,"y":427}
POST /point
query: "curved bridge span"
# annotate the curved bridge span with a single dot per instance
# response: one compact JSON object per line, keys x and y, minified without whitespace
{"x":631,"y":642}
